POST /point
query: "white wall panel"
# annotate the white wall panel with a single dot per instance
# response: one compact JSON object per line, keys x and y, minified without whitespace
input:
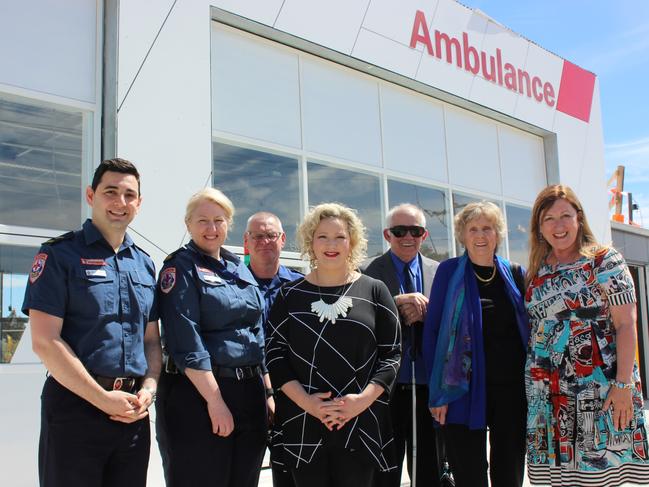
{"x":394,"y":20}
{"x":255,"y":88}
{"x":453,"y":19}
{"x":50,"y":47}
{"x":388,"y":54}
{"x":334,"y":23}
{"x":263,"y":11}
{"x":413,"y":134}
{"x":472,"y":148}
{"x":139,"y":22}
{"x":514,"y":51}
{"x":341,"y":112}
{"x":164,"y":126}
{"x":522,"y":163}
{"x":548,"y":68}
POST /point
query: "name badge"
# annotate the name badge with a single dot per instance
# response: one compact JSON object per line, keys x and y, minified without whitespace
{"x":95,"y":273}
{"x":211,"y":278}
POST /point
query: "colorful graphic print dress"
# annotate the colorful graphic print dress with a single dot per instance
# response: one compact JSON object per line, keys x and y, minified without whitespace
{"x":571,"y":358}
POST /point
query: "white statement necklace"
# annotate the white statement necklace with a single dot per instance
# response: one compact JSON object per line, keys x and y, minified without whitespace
{"x":332,"y":311}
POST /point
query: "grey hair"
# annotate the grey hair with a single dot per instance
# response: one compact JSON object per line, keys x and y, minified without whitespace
{"x":421,"y":218}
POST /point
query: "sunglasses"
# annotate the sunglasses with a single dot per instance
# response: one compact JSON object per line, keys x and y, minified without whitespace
{"x":401,"y":230}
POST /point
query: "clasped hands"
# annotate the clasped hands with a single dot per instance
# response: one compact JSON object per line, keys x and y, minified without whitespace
{"x":125,"y":407}
{"x":335,"y":413}
{"x":412,"y":307}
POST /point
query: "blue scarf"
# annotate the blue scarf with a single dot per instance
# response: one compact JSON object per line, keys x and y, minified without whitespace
{"x":451,"y":375}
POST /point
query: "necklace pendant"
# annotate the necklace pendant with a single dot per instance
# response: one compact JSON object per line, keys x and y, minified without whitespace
{"x":332,"y":311}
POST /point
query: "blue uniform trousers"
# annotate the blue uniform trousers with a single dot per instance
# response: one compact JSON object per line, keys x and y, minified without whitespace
{"x":80,"y":445}
{"x":194,"y":453}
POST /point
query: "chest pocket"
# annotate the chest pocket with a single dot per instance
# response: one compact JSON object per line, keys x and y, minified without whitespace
{"x":144,"y":285}
{"x":222,"y":303}
{"x":93,"y":292}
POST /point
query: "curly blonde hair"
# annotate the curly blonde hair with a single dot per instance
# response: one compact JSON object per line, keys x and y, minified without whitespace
{"x":472,"y":211}
{"x":355,"y":228}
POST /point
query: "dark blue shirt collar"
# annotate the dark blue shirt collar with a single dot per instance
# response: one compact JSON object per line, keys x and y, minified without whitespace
{"x":229,"y":261}
{"x":91,"y":234}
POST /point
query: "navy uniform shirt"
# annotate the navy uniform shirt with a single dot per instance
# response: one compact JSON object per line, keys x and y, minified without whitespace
{"x":105,"y":298}
{"x":211,"y":310}
{"x":270,"y":287}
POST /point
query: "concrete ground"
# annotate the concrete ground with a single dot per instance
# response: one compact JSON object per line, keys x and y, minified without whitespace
{"x":156,"y":478}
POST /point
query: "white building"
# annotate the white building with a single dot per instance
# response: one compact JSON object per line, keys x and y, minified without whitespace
{"x":282,"y":104}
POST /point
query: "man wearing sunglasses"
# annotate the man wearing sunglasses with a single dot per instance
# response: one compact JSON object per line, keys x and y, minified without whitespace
{"x":265,"y":239}
{"x":409,"y":277}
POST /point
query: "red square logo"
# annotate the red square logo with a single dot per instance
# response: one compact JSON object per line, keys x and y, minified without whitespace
{"x":576,"y":91}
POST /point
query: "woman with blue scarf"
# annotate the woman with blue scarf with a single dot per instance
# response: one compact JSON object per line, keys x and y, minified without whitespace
{"x":475,"y":340}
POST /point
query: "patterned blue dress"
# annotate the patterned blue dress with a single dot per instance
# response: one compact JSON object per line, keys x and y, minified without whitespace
{"x":571,"y":358}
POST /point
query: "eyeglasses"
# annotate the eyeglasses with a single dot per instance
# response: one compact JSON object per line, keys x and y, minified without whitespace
{"x":400,"y":230}
{"x":270,"y":236}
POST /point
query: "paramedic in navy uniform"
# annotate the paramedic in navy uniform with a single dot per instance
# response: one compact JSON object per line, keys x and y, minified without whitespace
{"x":90,"y":300}
{"x":211,"y":312}
{"x":265,"y":239}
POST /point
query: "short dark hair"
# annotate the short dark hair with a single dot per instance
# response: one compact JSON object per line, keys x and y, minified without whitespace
{"x":115,"y":165}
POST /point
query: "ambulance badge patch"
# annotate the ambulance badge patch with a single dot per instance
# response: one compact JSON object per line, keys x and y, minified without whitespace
{"x":167,"y":279}
{"x":37,"y":267}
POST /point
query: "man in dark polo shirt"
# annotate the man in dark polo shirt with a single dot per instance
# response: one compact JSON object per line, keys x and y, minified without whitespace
{"x":265,"y":239}
{"x":90,"y":301}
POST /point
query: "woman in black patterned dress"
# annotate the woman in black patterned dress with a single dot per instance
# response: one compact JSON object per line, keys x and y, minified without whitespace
{"x":333,"y":351}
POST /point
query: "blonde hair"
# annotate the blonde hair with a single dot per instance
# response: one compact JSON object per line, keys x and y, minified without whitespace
{"x":539,"y":247}
{"x":472,"y":211}
{"x":213,"y":195}
{"x":355,"y":227}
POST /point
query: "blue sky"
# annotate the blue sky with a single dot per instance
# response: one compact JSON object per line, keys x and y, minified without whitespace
{"x":611,"y":39}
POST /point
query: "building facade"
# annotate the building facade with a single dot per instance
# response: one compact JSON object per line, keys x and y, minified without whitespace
{"x":282,"y":104}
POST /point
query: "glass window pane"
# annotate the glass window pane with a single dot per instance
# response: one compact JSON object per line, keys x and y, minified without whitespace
{"x":40,"y":166}
{"x":354,"y":189}
{"x":15,"y":262}
{"x":433,"y":204}
{"x":518,"y":226}
{"x":257,"y":181}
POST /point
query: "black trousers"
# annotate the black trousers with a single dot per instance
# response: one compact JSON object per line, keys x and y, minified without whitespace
{"x":467,"y":449}
{"x":401,"y":412}
{"x":81,"y":445}
{"x":195,"y":454}
{"x":335,"y":467}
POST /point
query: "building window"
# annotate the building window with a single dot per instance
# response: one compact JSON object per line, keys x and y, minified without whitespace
{"x":40,"y":165}
{"x":15,"y":262}
{"x":357,"y":190}
{"x":433,"y":203}
{"x":258,"y":181}
{"x":518,"y":226}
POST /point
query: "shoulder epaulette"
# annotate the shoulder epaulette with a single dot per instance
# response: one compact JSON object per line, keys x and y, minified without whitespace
{"x":60,"y":238}
{"x":171,"y":255}
{"x":141,"y":250}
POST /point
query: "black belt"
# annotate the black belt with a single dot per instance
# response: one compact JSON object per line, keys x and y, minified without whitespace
{"x":126,"y":384}
{"x":239,"y":373}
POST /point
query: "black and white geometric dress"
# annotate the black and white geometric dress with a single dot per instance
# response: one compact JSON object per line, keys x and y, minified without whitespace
{"x":341,"y":357}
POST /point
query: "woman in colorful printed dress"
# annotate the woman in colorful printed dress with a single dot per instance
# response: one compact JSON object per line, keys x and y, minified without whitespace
{"x":585,"y":421}
{"x":333,"y":351}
